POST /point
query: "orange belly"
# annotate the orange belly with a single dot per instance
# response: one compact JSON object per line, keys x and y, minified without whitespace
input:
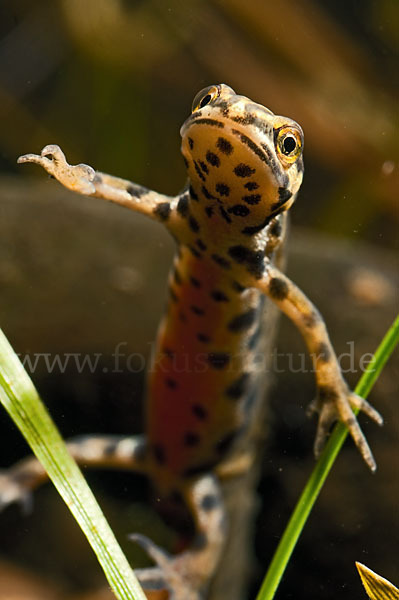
{"x":202,"y":370}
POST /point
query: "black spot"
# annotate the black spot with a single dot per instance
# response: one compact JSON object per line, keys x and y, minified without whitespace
{"x":212,"y":159}
{"x":265,"y":156}
{"x":193,"y":195}
{"x":199,"y":172}
{"x":224,"y":214}
{"x":284,"y":195}
{"x":200,"y":412}
{"x":236,"y":285}
{"x":176,"y":276}
{"x":171,"y":383}
{"x":173,"y":295}
{"x":238,"y":388}
{"x":278,"y":288}
{"x":201,"y":244}
{"x":219,"y":360}
{"x":195,"y":252}
{"x":224,"y":146}
{"x":311,"y":320}
{"x":159,"y":454}
{"x":243,"y":170}
{"x":243,"y":321}
{"x":197,"y":310}
{"x":195,"y":282}
{"x":251,"y":185}
{"x":182,"y":206}
{"x":252,"y":230}
{"x":202,"y":337}
{"x":111,"y":448}
{"x":221,"y":261}
{"x":219,"y":296}
{"x":137,"y":190}
{"x":252,"y":198}
{"x":276,"y":229}
{"x":186,"y":163}
{"x":191,"y":439}
{"x":323,"y":352}
{"x":224,"y":107}
{"x":207,"y":193}
{"x":205,"y":121}
{"x":253,"y":260}
{"x":222,"y":189}
{"x":191,"y":143}
{"x":204,"y":167}
{"x":209,"y":502}
{"x":239,"y":210}
{"x":225,"y":443}
{"x":247,"y":119}
{"x":193,"y":223}
{"x":209,"y":211}
{"x":162,"y":210}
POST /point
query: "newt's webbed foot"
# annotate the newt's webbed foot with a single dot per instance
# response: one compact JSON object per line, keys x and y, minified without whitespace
{"x":78,"y":178}
{"x":337,"y":405}
{"x":174,"y":574}
{"x":185,"y":576}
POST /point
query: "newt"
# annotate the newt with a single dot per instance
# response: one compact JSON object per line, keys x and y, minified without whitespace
{"x":245,"y":168}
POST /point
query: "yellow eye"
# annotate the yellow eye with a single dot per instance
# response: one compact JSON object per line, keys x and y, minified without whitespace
{"x":205,"y":96}
{"x":289,"y":142}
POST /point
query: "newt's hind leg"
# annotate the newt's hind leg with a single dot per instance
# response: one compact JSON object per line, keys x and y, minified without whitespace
{"x":186,"y":575}
{"x":108,"y":451}
{"x":180,"y":577}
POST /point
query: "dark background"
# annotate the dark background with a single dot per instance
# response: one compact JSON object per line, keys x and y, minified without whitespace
{"x":111,"y":82}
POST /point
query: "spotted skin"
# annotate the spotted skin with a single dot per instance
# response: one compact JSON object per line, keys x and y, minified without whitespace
{"x":245,"y":168}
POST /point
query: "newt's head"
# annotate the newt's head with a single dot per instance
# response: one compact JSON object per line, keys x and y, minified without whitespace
{"x":243,"y":162}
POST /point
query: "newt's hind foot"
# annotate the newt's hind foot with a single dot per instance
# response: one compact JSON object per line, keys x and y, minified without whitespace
{"x":173,"y":574}
{"x":333,"y":405}
{"x":185,"y":576}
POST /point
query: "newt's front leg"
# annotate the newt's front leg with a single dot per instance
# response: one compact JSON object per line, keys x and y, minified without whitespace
{"x":83,"y":179}
{"x":334,"y":400}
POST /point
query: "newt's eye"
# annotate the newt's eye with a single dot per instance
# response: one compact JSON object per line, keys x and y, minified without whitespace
{"x":205,"y":96}
{"x":289,"y":144}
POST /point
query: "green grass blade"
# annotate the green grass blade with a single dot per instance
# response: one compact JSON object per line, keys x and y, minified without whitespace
{"x":20,"y":398}
{"x":321,"y":470}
